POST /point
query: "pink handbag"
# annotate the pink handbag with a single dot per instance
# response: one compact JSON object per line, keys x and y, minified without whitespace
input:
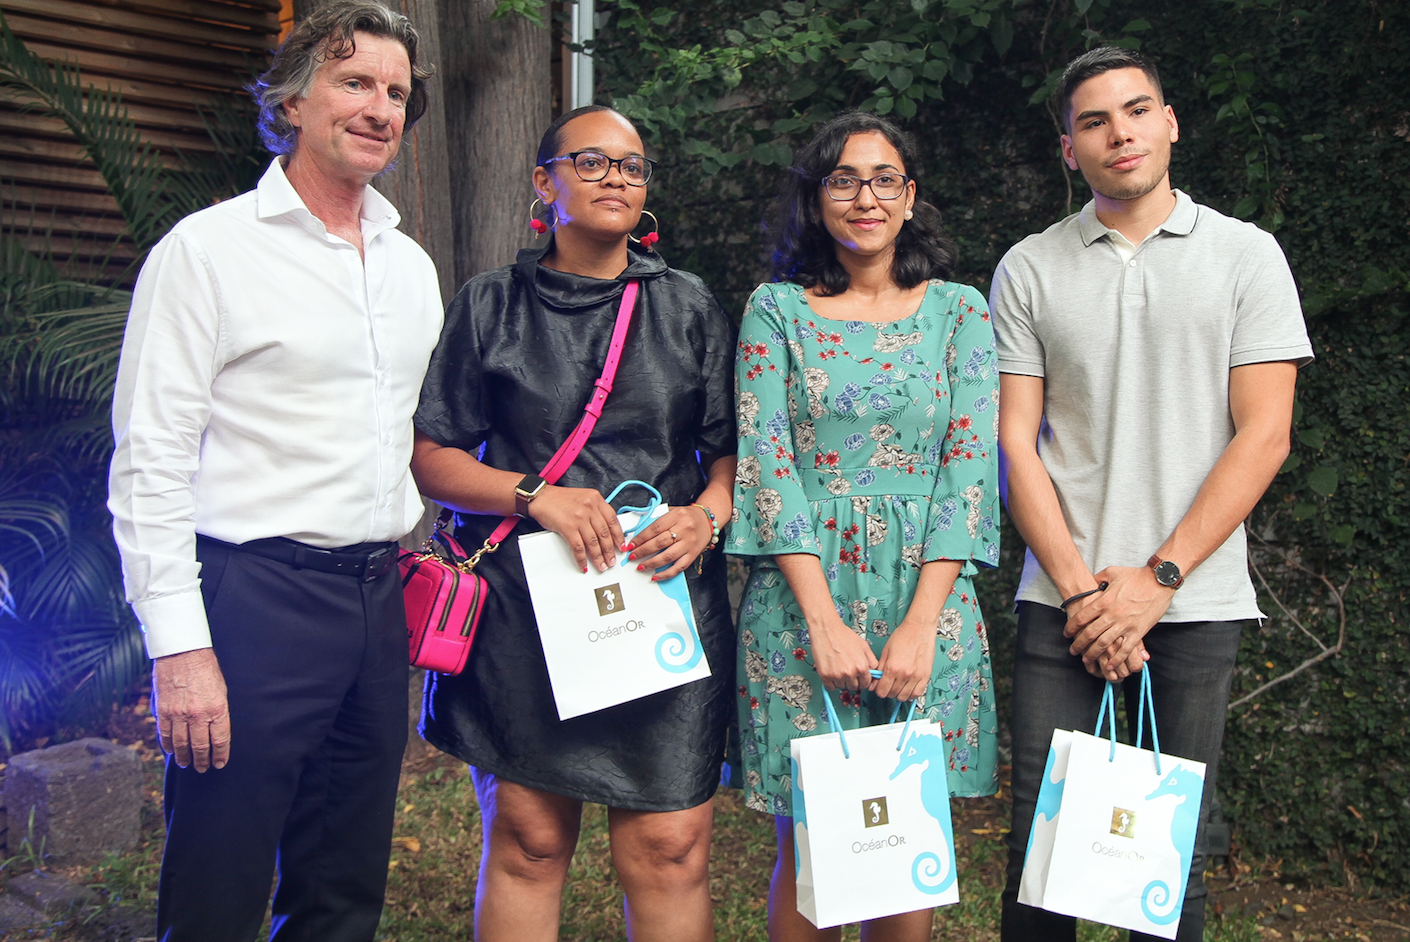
{"x":443,"y":595}
{"x":443,"y":604}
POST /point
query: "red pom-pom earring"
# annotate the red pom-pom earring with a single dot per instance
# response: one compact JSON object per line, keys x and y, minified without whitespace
{"x":535,"y":223}
{"x":652,"y":237}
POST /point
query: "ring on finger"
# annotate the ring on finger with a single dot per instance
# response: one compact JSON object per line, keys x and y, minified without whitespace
{"x":673,"y":536}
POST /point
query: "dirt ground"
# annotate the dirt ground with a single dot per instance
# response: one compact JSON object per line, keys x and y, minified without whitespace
{"x":1284,"y":910}
{"x":1298,"y":913}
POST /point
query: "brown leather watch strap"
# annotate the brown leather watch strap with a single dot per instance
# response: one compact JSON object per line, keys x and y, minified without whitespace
{"x":1155,"y":561}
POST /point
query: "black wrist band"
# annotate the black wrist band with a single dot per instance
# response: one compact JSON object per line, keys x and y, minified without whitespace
{"x":1083,"y":595}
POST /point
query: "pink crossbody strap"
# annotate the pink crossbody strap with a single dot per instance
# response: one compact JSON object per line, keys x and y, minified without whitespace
{"x":569,"y":450}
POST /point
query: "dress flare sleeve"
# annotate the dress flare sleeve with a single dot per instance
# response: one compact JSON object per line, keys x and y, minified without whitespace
{"x":963,"y":521}
{"x":772,"y":514}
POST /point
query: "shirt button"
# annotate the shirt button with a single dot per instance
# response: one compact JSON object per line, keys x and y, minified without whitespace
{"x":1133,"y":263}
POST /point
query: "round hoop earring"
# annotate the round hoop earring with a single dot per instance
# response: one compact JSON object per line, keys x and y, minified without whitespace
{"x":537,"y":224}
{"x":652,"y":237}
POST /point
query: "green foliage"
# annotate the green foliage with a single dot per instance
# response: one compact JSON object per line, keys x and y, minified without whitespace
{"x":1289,"y":117}
{"x":531,"y":10}
{"x":69,"y":645}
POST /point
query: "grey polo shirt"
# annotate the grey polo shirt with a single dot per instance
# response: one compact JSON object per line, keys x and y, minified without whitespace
{"x":1135,"y":356}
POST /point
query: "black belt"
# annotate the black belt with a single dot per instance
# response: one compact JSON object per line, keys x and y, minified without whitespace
{"x":366,"y":565}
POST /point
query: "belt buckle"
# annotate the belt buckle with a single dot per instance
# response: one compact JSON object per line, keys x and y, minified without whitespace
{"x":378,"y":564}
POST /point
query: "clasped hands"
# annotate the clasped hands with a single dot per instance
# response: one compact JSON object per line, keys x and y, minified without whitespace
{"x":1107,"y":628}
{"x":844,"y":660}
{"x":590,"y":527}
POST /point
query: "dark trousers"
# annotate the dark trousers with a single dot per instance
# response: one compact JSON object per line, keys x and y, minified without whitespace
{"x":316,"y":668}
{"x":1191,"y":665}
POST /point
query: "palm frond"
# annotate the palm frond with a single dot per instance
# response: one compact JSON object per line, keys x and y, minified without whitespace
{"x":31,"y":518}
{"x":105,"y":660}
{"x":28,"y":677}
{"x":71,"y":354}
{"x":132,"y":170}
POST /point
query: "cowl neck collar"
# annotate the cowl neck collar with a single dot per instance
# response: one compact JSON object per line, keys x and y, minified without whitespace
{"x":567,"y":291}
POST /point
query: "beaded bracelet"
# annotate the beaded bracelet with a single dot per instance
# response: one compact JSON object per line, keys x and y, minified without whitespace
{"x":714,"y":526}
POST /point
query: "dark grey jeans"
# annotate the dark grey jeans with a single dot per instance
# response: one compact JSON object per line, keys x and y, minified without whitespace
{"x":1191,"y":665}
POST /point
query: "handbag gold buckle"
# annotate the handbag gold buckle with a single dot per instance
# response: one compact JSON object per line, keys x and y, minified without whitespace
{"x":470,"y":563}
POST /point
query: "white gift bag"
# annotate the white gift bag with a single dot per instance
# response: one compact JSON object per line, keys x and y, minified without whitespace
{"x":1045,"y":817}
{"x":871,"y":822}
{"x":614,"y":636}
{"x":1125,"y":830}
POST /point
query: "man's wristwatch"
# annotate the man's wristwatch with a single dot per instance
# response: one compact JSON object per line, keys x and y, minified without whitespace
{"x":526,"y":490}
{"x":1166,"y":573}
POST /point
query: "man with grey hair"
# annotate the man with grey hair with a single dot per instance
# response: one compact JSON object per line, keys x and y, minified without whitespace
{"x":272,"y":363}
{"x":1148,"y":350}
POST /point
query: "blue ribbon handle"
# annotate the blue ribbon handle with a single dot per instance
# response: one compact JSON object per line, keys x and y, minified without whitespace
{"x":644,"y":511}
{"x":1108,"y":713}
{"x":836,"y":724}
{"x":1148,"y":703}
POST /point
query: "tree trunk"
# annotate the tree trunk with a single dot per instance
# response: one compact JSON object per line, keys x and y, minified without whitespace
{"x":491,"y":98}
{"x":419,"y":182}
{"x":497,"y":99}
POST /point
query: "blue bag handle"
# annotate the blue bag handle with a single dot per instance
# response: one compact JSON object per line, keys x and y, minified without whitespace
{"x":644,"y":511}
{"x":836,"y":724}
{"x":1147,"y":704}
{"x":1108,"y":713}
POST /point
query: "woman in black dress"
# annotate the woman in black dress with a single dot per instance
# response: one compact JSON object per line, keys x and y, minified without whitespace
{"x":515,"y":365}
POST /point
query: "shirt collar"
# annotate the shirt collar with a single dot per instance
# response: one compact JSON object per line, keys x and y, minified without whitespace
{"x":1181,"y":220}
{"x":277,"y":197}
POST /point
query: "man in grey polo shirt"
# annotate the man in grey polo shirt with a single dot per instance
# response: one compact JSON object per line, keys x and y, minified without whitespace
{"x":1148,"y":350}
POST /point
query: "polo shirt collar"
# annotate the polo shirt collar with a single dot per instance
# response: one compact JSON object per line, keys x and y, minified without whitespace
{"x":1181,"y":220}
{"x":276,"y":197}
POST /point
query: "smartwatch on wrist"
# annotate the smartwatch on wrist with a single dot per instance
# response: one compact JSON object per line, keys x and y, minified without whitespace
{"x":1166,"y":573}
{"x":525,"y":491}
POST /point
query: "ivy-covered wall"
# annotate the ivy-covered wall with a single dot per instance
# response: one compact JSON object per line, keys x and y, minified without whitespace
{"x":1295,"y":118}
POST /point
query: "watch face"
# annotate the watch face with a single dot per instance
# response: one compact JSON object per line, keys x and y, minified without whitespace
{"x":1167,"y":573}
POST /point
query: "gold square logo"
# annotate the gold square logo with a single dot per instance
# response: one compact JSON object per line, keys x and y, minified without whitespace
{"x":1123,"y":822}
{"x":874,"y":812}
{"x":609,"y":599}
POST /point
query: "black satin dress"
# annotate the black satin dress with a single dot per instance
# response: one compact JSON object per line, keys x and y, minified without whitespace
{"x":515,"y":365}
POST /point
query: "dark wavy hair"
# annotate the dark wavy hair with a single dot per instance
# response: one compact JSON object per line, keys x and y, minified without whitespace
{"x":803,"y":249}
{"x":1094,"y":62}
{"x":327,"y":33}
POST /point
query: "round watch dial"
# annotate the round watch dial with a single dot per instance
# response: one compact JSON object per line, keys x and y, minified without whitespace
{"x":1167,"y":573}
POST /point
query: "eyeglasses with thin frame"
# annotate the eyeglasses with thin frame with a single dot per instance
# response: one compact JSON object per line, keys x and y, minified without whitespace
{"x":592,"y":166}
{"x":884,"y":186}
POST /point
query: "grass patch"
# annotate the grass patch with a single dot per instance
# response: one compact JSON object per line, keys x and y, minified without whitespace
{"x":431,"y":887}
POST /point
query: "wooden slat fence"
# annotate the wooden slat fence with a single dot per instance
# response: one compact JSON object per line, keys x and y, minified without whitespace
{"x":165,"y":57}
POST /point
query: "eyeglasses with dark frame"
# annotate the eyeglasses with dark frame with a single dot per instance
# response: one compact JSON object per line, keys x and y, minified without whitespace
{"x":592,"y":166}
{"x":884,"y":186}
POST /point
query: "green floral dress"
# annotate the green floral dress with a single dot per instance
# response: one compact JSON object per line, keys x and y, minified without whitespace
{"x":871,"y":446}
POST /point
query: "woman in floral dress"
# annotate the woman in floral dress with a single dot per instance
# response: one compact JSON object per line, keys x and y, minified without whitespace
{"x":866,"y":490}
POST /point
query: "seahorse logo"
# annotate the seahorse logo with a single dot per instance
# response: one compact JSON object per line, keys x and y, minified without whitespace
{"x":1187,"y":787}
{"x":874,"y":812}
{"x":609,"y":599}
{"x":929,"y":872}
{"x":671,"y":647}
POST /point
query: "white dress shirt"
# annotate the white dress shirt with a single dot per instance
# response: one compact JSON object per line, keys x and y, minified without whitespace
{"x":266,"y":388}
